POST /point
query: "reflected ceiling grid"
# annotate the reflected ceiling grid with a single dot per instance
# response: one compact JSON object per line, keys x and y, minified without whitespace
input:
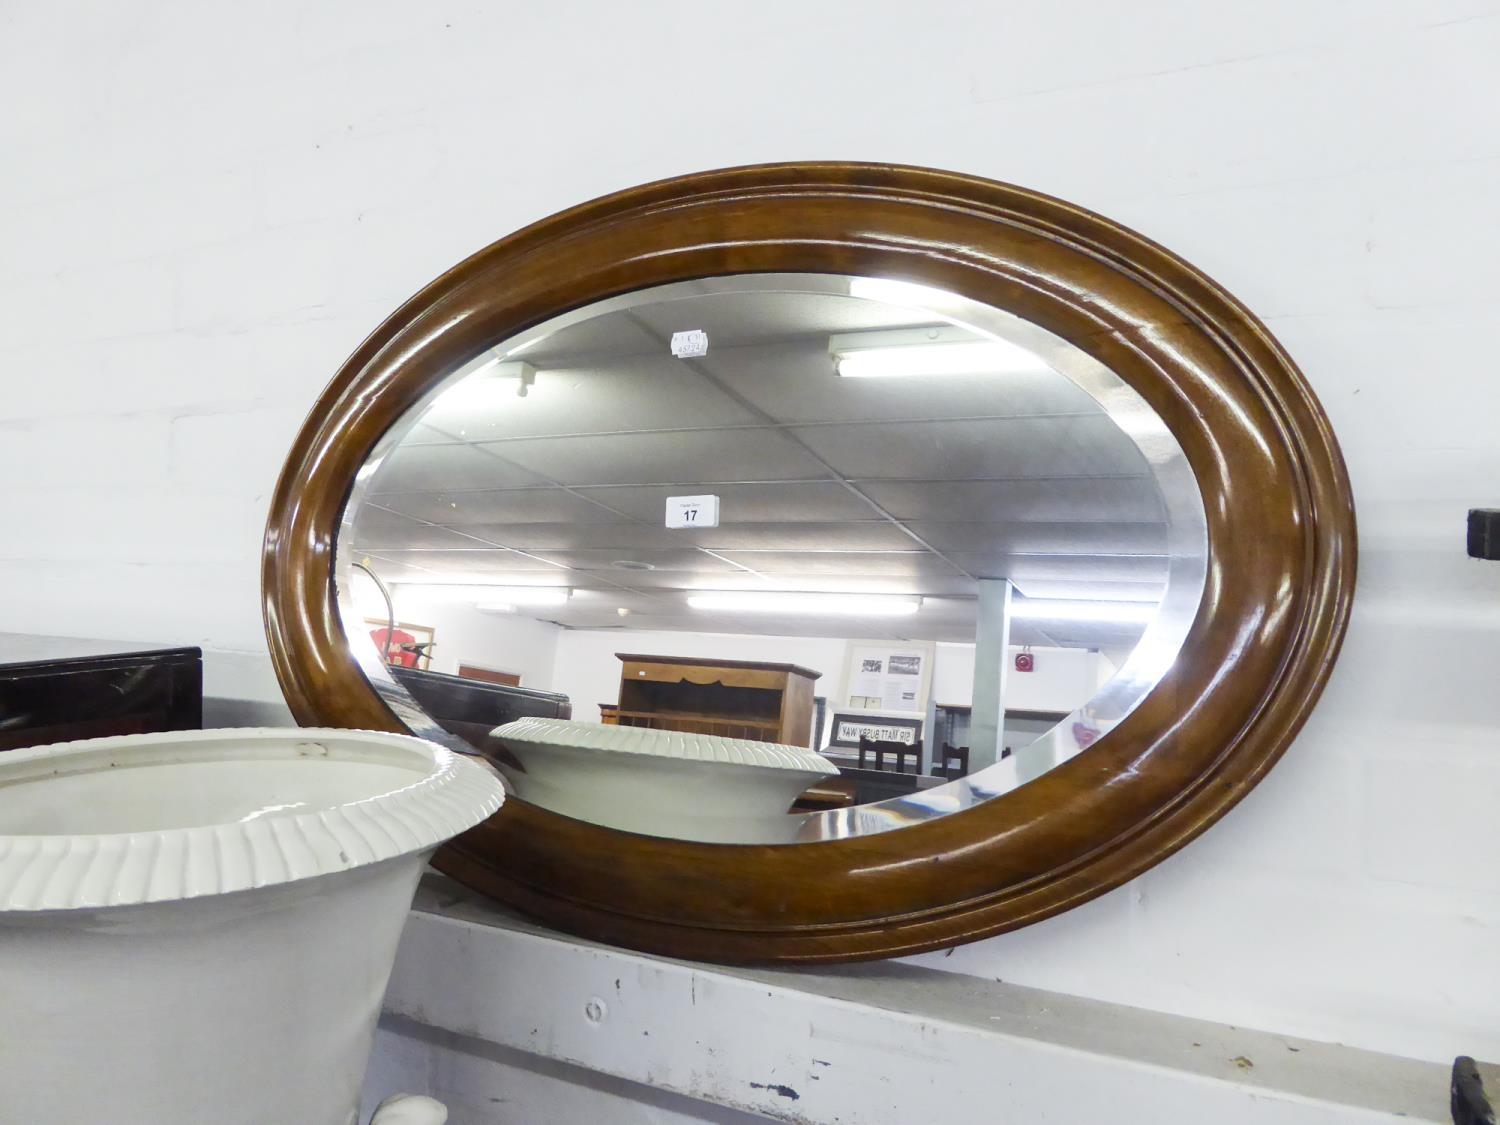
{"x":501,"y":547}
{"x":1083,"y":504}
{"x":550,"y":484}
{"x":701,"y":369}
{"x":447,"y":437}
{"x":547,"y":482}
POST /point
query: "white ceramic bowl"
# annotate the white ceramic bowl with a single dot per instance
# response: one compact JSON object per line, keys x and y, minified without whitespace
{"x":660,"y":783}
{"x":199,"y":926}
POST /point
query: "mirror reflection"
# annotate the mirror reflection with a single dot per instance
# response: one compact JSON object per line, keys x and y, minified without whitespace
{"x":773,"y":558}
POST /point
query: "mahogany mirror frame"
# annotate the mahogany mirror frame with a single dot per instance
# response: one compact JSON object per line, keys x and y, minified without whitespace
{"x":1280,"y":573}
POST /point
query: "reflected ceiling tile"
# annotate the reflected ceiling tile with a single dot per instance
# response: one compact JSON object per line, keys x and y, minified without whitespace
{"x":1117,"y":499}
{"x":775,"y":625}
{"x":394,"y":570}
{"x":616,"y":394}
{"x":693,"y":458}
{"x":1081,"y":445}
{"x":499,"y":506}
{"x":620,"y":540}
{"x":864,"y":535}
{"x":764,"y":318}
{"x":795,"y":382}
{"x":1075,"y":635}
{"x":667,"y":620}
{"x":484,"y":561}
{"x":606,"y":336}
{"x":683,"y":560}
{"x":603,"y":598}
{"x":777,"y":502}
{"x":663,"y":582}
{"x":782,"y":564}
{"x":1088,"y":589}
{"x":1081,"y":568}
{"x":376,"y":529}
{"x":936,"y":608}
{"x":431,"y":468}
{"x":427,"y":435}
{"x":1050,"y":538}
{"x":953,"y":585}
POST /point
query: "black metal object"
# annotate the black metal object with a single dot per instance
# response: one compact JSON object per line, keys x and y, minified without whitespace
{"x":1468,"y":1101}
{"x":1484,"y":533}
{"x":53,"y":689}
{"x":471,"y":709}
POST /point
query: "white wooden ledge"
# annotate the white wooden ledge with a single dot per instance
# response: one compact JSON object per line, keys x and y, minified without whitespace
{"x":856,"y":1045}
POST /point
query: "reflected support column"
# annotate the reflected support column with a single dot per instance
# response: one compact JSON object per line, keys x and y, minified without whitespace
{"x":929,"y":744}
{"x":991,"y":646}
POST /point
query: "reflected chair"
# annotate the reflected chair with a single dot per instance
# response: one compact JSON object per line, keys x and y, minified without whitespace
{"x":954,"y":762}
{"x":900,"y":750}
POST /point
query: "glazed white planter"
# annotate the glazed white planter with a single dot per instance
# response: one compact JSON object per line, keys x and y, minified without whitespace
{"x":660,"y":783}
{"x":198,"y":927}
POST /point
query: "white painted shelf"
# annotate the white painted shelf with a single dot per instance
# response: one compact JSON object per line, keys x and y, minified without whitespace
{"x":482,"y":1000}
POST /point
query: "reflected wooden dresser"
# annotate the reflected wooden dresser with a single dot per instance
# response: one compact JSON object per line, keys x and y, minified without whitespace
{"x":731,"y":698}
{"x":54,"y":689}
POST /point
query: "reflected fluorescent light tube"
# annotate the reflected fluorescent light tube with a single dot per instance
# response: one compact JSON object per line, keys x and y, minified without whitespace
{"x":813,"y":605}
{"x":1103,"y":612}
{"x":917,"y":352}
{"x":495,"y":607}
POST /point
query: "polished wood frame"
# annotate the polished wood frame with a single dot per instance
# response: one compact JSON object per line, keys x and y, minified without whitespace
{"x":1280,"y":574}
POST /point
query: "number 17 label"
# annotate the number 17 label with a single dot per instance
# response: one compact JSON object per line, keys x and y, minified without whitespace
{"x":692,"y":511}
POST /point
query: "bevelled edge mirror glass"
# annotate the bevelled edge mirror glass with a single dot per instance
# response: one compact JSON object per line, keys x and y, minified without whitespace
{"x":732,"y":518}
{"x":958,"y":529}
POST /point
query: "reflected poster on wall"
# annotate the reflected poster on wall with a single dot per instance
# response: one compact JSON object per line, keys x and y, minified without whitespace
{"x":885,"y":677}
{"x":409,"y":646}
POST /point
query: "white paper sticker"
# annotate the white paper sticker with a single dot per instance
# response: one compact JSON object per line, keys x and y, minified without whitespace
{"x":687,"y":345}
{"x":692,"y":511}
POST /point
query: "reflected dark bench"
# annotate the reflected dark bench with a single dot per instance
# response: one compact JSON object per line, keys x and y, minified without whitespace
{"x":53,"y":689}
{"x":471,"y":709}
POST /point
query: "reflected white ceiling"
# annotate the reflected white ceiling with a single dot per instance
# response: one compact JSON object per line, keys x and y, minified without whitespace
{"x":918,"y":486}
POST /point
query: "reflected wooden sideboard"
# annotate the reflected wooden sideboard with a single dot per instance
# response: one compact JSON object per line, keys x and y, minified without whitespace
{"x":765,"y":702}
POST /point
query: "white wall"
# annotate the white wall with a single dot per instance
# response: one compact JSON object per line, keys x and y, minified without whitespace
{"x":1061,"y":679}
{"x":206,"y":206}
{"x":588,"y":671}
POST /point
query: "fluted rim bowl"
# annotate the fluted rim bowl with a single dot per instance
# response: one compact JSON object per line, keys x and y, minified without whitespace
{"x":673,"y":784}
{"x":646,"y":742}
{"x":155,"y":818}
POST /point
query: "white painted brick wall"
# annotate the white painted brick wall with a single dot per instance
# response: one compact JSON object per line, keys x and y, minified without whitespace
{"x":205,"y":206}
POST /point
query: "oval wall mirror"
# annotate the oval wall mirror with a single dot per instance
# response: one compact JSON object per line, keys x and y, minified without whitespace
{"x":833,"y":523}
{"x":837,"y":561}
